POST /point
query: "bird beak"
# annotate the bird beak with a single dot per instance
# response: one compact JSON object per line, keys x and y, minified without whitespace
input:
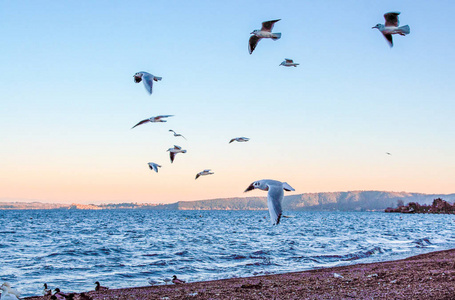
{"x":252,"y":32}
{"x":250,"y":188}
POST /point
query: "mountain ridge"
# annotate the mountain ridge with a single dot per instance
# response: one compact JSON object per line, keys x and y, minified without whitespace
{"x":344,"y":201}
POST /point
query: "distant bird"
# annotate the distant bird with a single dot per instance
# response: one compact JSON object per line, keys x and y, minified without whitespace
{"x":388,"y":153}
{"x":6,"y":295}
{"x":167,"y":280}
{"x":203,"y":173}
{"x":177,"y":134}
{"x":265,"y":32}
{"x":46,"y":291}
{"x":239,"y":139}
{"x":100,"y":288}
{"x":274,"y":196}
{"x":174,"y":151}
{"x":157,"y":119}
{"x":147,"y":78}
{"x":289,"y":63}
{"x":391,"y":27}
{"x":153,"y":166}
{"x":10,"y":290}
{"x":175,"y":280}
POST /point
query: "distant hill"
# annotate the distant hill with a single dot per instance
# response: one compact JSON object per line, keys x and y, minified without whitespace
{"x":343,"y":201}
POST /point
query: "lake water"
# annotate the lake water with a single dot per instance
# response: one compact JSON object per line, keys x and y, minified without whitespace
{"x":72,"y":249}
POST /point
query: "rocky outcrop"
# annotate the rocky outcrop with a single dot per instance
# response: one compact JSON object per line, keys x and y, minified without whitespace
{"x":438,"y":206}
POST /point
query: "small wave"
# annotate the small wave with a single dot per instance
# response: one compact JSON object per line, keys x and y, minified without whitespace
{"x":423,"y":242}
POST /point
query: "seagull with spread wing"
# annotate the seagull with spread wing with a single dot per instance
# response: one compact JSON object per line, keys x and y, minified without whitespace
{"x":275,"y":196}
{"x":391,"y":27}
{"x":157,"y":119}
{"x":289,"y":63}
{"x":264,"y":33}
{"x":203,"y":173}
{"x":173,"y":152}
{"x":239,"y":139}
{"x":153,"y":166}
{"x":148,"y":80}
{"x":177,"y":134}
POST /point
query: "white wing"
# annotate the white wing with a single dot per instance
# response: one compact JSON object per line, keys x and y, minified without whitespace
{"x":287,"y":187}
{"x":274,"y":198}
{"x":148,"y":82}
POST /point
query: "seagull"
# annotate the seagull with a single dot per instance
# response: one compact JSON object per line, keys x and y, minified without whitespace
{"x":265,"y":32}
{"x":176,"y":280}
{"x":174,"y":151}
{"x":391,"y":27}
{"x":157,"y":119}
{"x":388,"y":153}
{"x":6,"y":295}
{"x":274,"y":196}
{"x":100,"y":288}
{"x":177,"y":134}
{"x":10,"y":290}
{"x":289,"y":63}
{"x":153,"y":166}
{"x":205,"y":172}
{"x":166,"y":280}
{"x":46,"y":290}
{"x":148,"y":80}
{"x":239,"y":139}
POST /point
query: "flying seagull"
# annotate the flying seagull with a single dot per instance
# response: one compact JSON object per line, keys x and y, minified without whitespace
{"x":148,"y":80}
{"x":274,"y":196}
{"x":177,"y":134}
{"x":289,"y":63}
{"x":174,"y":151}
{"x":153,"y":166}
{"x":175,"y":280}
{"x":205,"y":172}
{"x":388,"y":153}
{"x":391,"y":27}
{"x":265,"y":32}
{"x":157,"y":119}
{"x":239,"y":139}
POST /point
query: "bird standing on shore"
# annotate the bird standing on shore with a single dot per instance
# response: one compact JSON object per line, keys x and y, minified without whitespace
{"x":100,"y":288}
{"x":46,"y":291}
{"x":173,"y":152}
{"x":157,"y":119}
{"x":264,"y":33}
{"x":148,"y":80}
{"x":274,"y":197}
{"x":5,"y":295}
{"x":175,"y":280}
{"x":203,"y":173}
{"x":391,"y":27}
{"x":7,"y":286}
{"x":62,"y":296}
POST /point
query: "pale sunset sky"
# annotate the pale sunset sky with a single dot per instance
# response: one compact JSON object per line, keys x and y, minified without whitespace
{"x":69,"y":99}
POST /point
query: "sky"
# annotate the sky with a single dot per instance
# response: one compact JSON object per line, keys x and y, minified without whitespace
{"x":69,"y":99}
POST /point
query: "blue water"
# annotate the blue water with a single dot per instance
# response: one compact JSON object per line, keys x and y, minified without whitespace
{"x":124,"y":248}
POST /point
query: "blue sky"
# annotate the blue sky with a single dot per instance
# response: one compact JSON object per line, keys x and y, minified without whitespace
{"x":69,"y":99}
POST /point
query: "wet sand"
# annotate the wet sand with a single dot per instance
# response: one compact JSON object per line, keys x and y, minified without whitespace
{"x":426,"y":276}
